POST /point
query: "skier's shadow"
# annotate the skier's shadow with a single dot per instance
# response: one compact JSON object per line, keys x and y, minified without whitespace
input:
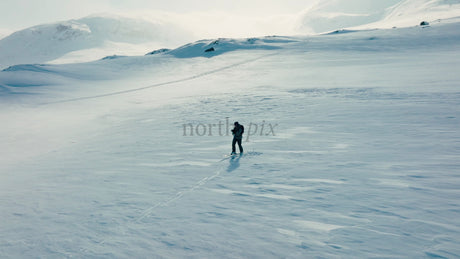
{"x":234,"y":163}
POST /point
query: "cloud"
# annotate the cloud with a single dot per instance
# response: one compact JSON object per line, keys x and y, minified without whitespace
{"x":218,"y":24}
{"x":19,"y":14}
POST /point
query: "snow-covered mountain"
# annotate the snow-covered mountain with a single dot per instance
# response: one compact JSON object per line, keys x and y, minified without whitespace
{"x":97,"y":36}
{"x":412,"y":12}
{"x":87,"y":39}
{"x":339,"y":14}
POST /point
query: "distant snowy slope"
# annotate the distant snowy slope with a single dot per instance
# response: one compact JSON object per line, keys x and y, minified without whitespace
{"x":18,"y":78}
{"x":98,"y":35}
{"x":27,"y":79}
{"x":338,"y":14}
{"x":411,"y":12}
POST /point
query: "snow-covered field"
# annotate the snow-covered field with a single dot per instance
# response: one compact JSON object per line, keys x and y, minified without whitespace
{"x":352,"y":150}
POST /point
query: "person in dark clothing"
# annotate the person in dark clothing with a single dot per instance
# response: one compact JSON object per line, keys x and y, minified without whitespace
{"x":237,"y":131}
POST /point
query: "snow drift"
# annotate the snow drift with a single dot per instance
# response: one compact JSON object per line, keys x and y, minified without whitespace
{"x":210,"y":48}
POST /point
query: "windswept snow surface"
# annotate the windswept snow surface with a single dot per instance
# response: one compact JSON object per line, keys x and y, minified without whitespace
{"x":355,"y":154}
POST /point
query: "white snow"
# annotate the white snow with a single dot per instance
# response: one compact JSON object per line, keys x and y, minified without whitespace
{"x":4,"y":33}
{"x":407,"y":12}
{"x":87,"y":39}
{"x":96,"y":36}
{"x":342,"y":14}
{"x":355,"y":154}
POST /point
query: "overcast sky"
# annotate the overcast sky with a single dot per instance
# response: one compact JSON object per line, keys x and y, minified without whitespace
{"x":19,"y":14}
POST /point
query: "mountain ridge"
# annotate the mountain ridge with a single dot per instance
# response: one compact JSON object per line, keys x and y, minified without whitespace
{"x":97,"y":36}
{"x":103,"y":34}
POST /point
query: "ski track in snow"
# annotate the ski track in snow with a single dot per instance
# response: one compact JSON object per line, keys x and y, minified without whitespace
{"x":166,"y":202}
{"x":179,"y":195}
{"x":173,"y":198}
{"x":163,"y":83}
{"x":148,"y":212}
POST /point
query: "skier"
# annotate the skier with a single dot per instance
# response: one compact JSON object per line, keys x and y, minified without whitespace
{"x":237,"y":132}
